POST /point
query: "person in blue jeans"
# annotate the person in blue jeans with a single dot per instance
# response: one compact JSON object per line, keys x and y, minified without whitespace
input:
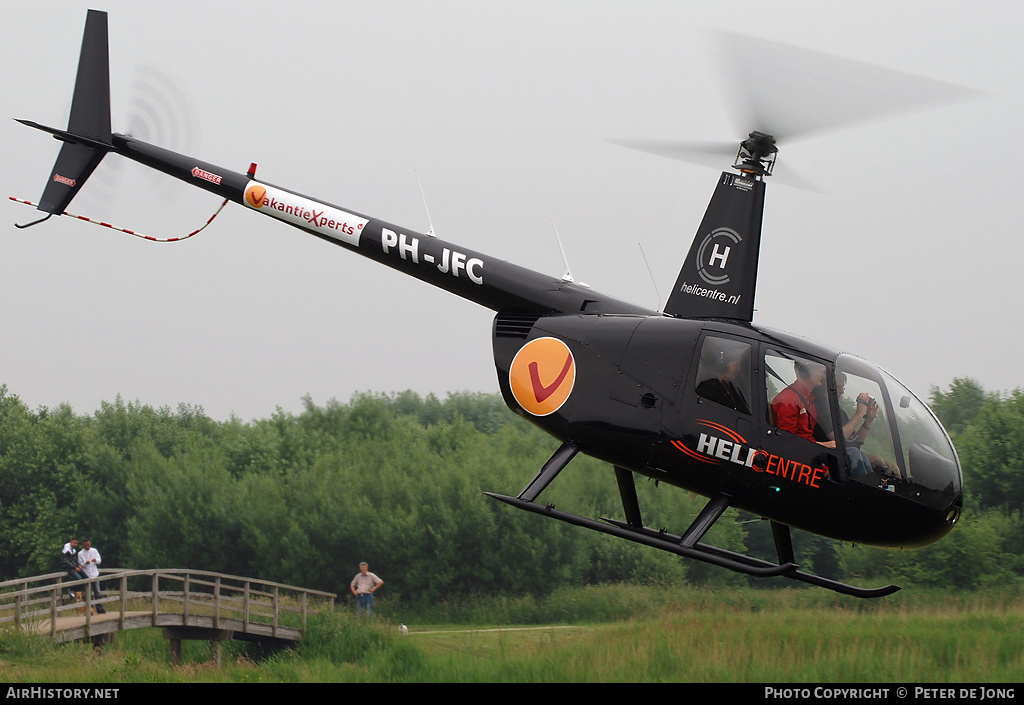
{"x":363,"y":586}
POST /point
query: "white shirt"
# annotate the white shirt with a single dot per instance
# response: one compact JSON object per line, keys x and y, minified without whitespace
{"x":89,"y":559}
{"x":363,"y":583}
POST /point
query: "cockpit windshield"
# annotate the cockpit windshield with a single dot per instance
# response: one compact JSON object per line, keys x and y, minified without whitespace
{"x":891,"y":438}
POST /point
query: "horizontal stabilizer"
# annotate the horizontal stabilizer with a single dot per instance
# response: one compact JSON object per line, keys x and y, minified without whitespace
{"x":74,"y":165}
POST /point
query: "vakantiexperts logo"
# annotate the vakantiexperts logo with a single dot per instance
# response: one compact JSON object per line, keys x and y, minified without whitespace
{"x":542,"y":375}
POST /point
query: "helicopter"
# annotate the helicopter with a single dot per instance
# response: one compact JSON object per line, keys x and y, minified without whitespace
{"x":695,"y":396}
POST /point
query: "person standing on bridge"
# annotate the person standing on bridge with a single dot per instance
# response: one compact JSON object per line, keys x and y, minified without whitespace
{"x":363,"y":586}
{"x":69,"y":562}
{"x":89,"y":559}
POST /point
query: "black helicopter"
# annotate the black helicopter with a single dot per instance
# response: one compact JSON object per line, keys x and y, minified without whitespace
{"x":695,"y":396}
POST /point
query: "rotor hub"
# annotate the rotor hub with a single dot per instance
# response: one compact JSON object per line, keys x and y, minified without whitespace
{"x":756,"y":155}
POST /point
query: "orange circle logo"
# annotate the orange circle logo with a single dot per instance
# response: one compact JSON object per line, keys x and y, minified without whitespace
{"x":542,"y":375}
{"x":256,"y":196}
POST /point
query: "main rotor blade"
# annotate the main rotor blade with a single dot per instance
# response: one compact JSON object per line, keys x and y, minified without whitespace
{"x":713,"y":154}
{"x":791,"y":93}
{"x":717,"y":155}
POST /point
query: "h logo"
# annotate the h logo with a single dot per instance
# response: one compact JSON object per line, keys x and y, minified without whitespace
{"x":714,"y":251}
{"x":717,"y":255}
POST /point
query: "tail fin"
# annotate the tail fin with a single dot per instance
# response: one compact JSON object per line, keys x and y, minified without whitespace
{"x":719,"y":276}
{"x":88,"y":136}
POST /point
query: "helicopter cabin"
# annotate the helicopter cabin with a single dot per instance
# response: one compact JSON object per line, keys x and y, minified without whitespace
{"x":813,"y":438}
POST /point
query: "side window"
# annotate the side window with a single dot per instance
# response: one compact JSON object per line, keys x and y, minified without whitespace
{"x":724,"y":373}
{"x":797,"y":396}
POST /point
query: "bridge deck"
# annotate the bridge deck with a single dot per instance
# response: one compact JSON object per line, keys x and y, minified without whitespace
{"x":186,"y":604}
{"x":75,"y":628}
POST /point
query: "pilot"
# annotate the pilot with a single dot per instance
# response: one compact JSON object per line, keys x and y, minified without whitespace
{"x":722,"y":389}
{"x":793,"y":408}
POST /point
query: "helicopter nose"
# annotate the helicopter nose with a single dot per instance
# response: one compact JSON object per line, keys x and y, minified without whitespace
{"x":941,"y":523}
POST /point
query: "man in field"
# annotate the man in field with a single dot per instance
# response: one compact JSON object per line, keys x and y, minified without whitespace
{"x":363,"y":586}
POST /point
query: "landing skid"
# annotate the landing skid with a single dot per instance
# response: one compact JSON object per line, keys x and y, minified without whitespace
{"x":688,"y":545}
{"x":655,"y":539}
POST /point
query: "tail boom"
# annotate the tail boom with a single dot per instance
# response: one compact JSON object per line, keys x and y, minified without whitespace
{"x":491,"y":282}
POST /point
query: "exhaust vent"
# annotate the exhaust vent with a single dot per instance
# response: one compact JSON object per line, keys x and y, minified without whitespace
{"x":514,"y":324}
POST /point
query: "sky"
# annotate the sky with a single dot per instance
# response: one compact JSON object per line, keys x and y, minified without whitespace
{"x":905,"y":253}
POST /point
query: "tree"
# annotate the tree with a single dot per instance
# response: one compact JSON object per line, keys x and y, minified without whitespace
{"x":43,"y":464}
{"x":978,"y":552}
{"x":992,"y":452}
{"x":959,"y":406}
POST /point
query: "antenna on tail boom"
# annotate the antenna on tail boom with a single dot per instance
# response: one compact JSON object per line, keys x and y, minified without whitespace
{"x":430,"y":223}
{"x":567,"y":277}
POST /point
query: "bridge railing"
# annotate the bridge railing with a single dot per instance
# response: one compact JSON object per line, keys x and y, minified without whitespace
{"x":217,"y":596}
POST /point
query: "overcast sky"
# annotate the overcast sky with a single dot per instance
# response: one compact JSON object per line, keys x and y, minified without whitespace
{"x":908,"y":256}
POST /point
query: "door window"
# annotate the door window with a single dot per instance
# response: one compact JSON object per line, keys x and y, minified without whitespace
{"x":724,"y":373}
{"x":797,"y":396}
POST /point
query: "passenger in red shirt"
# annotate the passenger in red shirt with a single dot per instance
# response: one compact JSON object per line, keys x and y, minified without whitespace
{"x":793,"y":407}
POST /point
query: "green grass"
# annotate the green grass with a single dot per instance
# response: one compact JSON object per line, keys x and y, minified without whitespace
{"x":597,"y":634}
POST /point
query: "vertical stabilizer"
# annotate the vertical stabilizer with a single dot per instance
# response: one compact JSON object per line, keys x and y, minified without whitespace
{"x":719,"y":276}
{"x":90,"y":107}
{"x":88,"y":136}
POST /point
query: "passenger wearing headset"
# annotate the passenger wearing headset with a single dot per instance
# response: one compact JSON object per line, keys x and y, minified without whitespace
{"x":729,"y":364}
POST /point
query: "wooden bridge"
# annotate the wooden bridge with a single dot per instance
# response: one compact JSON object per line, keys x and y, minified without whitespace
{"x":186,"y":604}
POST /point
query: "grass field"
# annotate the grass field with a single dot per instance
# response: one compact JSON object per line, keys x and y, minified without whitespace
{"x":606,"y":634}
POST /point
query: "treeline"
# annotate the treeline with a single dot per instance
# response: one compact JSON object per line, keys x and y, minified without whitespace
{"x":303,"y":498}
{"x":397,"y":481}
